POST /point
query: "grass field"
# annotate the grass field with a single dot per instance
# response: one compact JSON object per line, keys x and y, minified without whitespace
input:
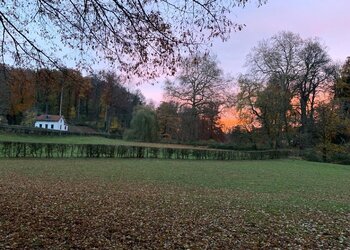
{"x":173,"y":204}
{"x":73,"y":139}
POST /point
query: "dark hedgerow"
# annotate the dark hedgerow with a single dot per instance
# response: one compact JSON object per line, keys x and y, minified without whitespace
{"x":51,"y":150}
{"x":154,"y":152}
{"x":184,"y":153}
{"x":167,"y":153}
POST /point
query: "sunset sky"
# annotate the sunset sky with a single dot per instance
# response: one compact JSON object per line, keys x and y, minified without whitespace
{"x":328,"y":20}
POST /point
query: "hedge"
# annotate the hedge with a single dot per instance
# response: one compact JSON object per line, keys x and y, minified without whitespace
{"x":10,"y":149}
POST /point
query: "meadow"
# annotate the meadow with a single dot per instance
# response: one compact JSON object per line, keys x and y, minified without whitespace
{"x":75,"y":139}
{"x":187,"y":204}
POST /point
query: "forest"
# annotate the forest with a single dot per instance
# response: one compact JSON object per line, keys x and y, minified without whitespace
{"x":99,"y":101}
{"x":292,"y":96}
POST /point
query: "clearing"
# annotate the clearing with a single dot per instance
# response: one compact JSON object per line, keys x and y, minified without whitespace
{"x":102,"y":203}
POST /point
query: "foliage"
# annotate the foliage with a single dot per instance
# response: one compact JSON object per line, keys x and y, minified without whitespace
{"x":328,"y":153}
{"x":154,"y":34}
{"x":342,"y":88}
{"x":22,"y":95}
{"x":29,"y":118}
{"x":202,"y":92}
{"x":328,"y":121}
{"x":314,"y":74}
{"x":115,"y":101}
{"x":236,"y":146}
{"x":4,"y":93}
{"x":48,"y":85}
{"x":99,"y":101}
{"x":311,"y":155}
{"x":169,"y":120}
{"x":199,"y":83}
{"x":341,"y":157}
{"x":144,"y":125}
{"x":10,"y":149}
{"x":271,"y":103}
{"x":274,"y":61}
{"x":240,"y":135}
{"x":287,"y":78}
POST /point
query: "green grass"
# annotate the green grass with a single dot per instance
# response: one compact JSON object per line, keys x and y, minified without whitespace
{"x":269,"y":183}
{"x":142,"y":204}
{"x":72,"y":139}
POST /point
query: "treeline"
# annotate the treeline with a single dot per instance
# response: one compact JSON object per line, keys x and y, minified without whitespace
{"x":100,"y":101}
{"x":293,"y":95}
{"x":195,"y":97}
{"x":171,"y":122}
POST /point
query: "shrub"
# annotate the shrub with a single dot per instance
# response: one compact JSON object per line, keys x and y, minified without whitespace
{"x":340,"y":158}
{"x":50,"y":150}
{"x":143,"y":126}
{"x":234,"y":146}
{"x":311,"y":155}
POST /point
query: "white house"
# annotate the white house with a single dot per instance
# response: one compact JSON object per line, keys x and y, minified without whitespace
{"x":54,"y":122}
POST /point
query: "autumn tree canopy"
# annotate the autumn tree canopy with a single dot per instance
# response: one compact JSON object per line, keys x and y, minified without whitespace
{"x":202,"y":91}
{"x":285,"y":78}
{"x":143,"y":36}
{"x":342,"y":88}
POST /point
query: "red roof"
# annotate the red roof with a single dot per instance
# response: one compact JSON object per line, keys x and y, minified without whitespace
{"x":49,"y":118}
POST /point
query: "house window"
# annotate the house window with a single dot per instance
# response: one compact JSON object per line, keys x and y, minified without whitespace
{"x":40,"y":125}
{"x":60,"y":127}
{"x":65,"y":127}
{"x":51,"y":126}
{"x":46,"y":126}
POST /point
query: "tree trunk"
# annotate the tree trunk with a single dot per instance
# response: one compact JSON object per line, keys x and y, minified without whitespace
{"x":78,"y":109}
{"x":61,"y":100}
{"x":106,"y":120}
{"x":303,"y":107}
{"x":46,"y":107}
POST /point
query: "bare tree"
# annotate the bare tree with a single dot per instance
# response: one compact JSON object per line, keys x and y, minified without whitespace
{"x":199,"y":83}
{"x":200,"y":86}
{"x":137,"y":36}
{"x":315,"y":71}
{"x":276,"y":61}
{"x":300,"y":68}
{"x":266,"y":106}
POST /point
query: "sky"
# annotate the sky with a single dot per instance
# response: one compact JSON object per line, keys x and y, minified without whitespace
{"x":329,"y":20}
